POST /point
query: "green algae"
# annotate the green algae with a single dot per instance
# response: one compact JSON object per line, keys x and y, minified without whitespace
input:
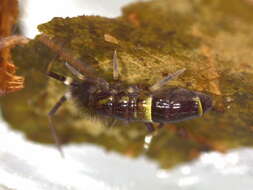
{"x":211,"y":39}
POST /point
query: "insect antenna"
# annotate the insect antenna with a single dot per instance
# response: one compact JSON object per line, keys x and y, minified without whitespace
{"x":13,"y":40}
{"x":56,"y":76}
{"x":162,"y":82}
{"x":65,"y":80}
{"x":66,"y":55}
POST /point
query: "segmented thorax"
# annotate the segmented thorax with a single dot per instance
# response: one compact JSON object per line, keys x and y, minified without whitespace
{"x":126,"y":106}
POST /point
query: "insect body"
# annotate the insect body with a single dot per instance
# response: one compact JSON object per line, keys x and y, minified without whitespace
{"x":152,"y":105}
{"x":165,"y":106}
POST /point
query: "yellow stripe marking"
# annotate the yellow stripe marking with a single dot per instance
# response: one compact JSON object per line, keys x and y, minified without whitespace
{"x":144,"y":109}
{"x":148,"y":110}
{"x":200,"y":108}
{"x":105,"y":100}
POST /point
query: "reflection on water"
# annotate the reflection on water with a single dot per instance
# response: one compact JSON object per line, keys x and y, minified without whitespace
{"x":26,"y":165}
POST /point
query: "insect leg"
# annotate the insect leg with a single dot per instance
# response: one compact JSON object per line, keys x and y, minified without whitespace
{"x":162,"y":82}
{"x":51,"y":113}
{"x":115,"y":63}
{"x":149,"y":127}
{"x":161,"y":125}
{"x":75,"y":71}
{"x":112,"y":123}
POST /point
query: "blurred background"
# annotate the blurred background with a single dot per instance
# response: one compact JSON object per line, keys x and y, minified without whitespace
{"x":34,"y":13}
{"x":25,"y":164}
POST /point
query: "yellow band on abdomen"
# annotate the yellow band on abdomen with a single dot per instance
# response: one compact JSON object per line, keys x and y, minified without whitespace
{"x":200,"y":108}
{"x":144,"y":109}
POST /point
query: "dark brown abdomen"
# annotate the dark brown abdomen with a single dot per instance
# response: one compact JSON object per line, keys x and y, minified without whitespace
{"x":165,"y":110}
{"x":126,"y":107}
{"x":177,"y":104}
